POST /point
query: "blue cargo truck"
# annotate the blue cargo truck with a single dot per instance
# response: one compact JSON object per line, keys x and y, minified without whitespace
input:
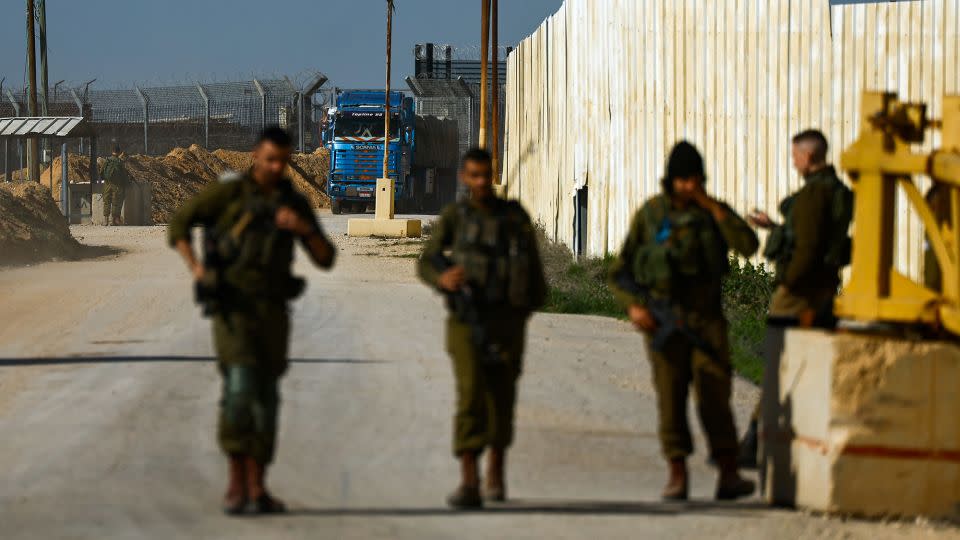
{"x":355,"y":139}
{"x":353,"y":133}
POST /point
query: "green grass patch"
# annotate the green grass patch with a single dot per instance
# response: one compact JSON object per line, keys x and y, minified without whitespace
{"x":579,"y":287}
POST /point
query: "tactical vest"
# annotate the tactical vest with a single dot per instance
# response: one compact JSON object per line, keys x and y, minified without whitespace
{"x":782,"y":239}
{"x":494,"y":248}
{"x":114,"y":172}
{"x":686,"y":245}
{"x":246,"y":242}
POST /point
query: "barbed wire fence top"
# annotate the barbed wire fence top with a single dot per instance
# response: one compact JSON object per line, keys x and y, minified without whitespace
{"x":155,"y":119}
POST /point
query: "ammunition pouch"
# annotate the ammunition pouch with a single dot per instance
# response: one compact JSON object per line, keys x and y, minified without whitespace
{"x":779,"y":244}
{"x":651,"y":265}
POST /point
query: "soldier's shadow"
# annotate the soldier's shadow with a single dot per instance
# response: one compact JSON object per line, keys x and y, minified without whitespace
{"x":556,"y":507}
{"x":137,"y":359}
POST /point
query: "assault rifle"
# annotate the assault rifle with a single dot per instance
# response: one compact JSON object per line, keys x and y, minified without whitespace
{"x":465,"y":307}
{"x":670,"y":321}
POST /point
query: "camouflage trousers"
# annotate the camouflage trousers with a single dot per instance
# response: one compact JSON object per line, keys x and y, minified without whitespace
{"x":681,"y":366}
{"x":486,"y":394}
{"x":112,"y":200}
{"x":251,"y":346}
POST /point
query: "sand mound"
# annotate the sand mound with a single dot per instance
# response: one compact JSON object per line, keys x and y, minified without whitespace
{"x":183,"y":172}
{"x":31,"y":226}
{"x":308,"y":171}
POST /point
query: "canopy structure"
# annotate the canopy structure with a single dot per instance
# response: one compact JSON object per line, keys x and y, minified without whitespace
{"x":50,"y":128}
{"x":45,"y":126}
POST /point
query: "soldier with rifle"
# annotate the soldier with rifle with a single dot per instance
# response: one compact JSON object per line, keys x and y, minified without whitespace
{"x":483,"y":255}
{"x":669,"y":277}
{"x":244,"y":282}
{"x":115,"y":181}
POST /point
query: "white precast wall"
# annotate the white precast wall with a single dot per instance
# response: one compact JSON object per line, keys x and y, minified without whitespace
{"x":603,"y":89}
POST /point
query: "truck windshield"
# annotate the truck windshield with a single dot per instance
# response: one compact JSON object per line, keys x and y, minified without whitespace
{"x":366,"y":125}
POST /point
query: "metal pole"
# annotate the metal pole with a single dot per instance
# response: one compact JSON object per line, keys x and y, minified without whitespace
{"x":484,"y":66}
{"x":33,"y":157}
{"x":146,"y":118}
{"x":300,"y":131}
{"x":386,"y":105}
{"x":94,"y":172}
{"x":64,"y":188}
{"x":206,"y":116}
{"x":495,"y":129}
{"x":79,"y":103}
{"x":263,"y":103}
{"x":7,"y":165}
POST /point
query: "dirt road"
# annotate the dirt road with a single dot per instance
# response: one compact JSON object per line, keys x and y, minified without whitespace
{"x":108,"y":400}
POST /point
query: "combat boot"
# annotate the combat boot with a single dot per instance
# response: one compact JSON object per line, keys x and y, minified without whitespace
{"x":235,"y":500}
{"x":496,"y":486}
{"x":678,"y":484}
{"x":731,"y":485}
{"x":467,"y":496}
{"x":261,"y":500}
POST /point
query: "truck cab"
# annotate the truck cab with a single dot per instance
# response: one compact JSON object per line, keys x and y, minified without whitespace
{"x":355,"y":138}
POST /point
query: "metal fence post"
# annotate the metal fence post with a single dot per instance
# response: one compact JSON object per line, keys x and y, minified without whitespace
{"x":79,"y":103}
{"x":64,"y":182}
{"x":263,"y":103}
{"x":146,"y":118}
{"x":300,"y":121}
{"x":7,"y":165}
{"x":206,"y":115}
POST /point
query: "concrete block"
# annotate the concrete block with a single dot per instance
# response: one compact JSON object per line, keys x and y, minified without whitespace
{"x":390,"y":228}
{"x":137,"y":205}
{"x":865,"y":425}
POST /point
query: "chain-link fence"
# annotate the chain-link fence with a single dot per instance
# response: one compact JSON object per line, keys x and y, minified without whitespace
{"x":447,"y":85}
{"x":155,"y":120}
{"x":454,"y":100}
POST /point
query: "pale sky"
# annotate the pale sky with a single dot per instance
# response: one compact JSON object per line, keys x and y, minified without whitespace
{"x":122,"y":42}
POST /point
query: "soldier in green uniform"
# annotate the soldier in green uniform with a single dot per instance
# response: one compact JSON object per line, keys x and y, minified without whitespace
{"x":483,"y":255}
{"x":251,"y":222}
{"x":808,"y":251}
{"x":671,"y":267}
{"x":115,"y":180}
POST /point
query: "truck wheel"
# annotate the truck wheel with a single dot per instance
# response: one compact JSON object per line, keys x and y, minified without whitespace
{"x":335,"y":206}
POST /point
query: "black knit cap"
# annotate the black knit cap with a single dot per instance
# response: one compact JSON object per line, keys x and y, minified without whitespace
{"x":685,"y":161}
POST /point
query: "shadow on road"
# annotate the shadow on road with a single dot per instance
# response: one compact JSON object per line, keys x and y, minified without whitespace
{"x":587,"y":508}
{"x":100,"y":359}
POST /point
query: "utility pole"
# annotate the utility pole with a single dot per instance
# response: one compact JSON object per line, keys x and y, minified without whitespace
{"x":386,"y":104}
{"x":42,"y":35}
{"x":494,"y":16}
{"x":33,"y":157}
{"x":484,"y":66}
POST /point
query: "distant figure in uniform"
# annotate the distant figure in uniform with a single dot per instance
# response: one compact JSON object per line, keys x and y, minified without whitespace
{"x":671,"y":269}
{"x":115,"y":181}
{"x":251,"y":222}
{"x":808,"y":250}
{"x":483,"y":256}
